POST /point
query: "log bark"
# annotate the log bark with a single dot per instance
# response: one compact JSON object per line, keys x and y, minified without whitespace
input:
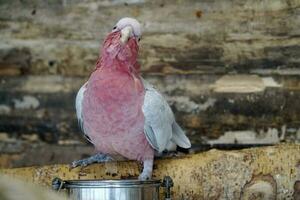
{"x":187,"y":53}
{"x":258,"y":173}
{"x":35,"y":110}
{"x":200,"y":37}
{"x":205,"y":106}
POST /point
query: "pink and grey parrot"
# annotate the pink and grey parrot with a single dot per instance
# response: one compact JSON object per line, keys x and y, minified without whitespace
{"x":120,"y":113}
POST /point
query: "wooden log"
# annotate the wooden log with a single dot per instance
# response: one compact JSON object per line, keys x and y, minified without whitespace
{"x":206,"y":106}
{"x":23,"y":154}
{"x":226,"y":36}
{"x":258,"y":173}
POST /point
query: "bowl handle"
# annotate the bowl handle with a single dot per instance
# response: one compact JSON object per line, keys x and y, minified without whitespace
{"x":57,"y":184}
{"x":167,"y":184}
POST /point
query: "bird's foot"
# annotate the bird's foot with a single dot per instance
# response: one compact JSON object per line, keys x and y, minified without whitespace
{"x":147,"y":171}
{"x":170,"y":154}
{"x":98,"y":158}
{"x":145,"y":175}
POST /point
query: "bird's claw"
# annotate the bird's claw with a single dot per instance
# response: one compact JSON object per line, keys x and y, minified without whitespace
{"x":170,"y":154}
{"x":144,"y":176}
{"x":82,"y":163}
{"x":98,"y":158}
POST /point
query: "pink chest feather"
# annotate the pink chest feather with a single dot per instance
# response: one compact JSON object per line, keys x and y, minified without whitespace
{"x":112,"y":104}
{"x":112,"y":113}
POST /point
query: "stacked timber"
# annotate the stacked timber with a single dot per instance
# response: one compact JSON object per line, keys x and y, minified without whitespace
{"x":229,"y":69}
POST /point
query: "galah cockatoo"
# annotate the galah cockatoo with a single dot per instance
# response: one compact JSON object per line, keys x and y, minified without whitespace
{"x":120,"y":113}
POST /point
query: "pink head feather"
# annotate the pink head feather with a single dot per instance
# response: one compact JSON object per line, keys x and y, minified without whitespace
{"x":116,"y":54}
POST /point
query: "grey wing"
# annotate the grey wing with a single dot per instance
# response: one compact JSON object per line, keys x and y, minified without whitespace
{"x":78,"y":105}
{"x":160,"y":126}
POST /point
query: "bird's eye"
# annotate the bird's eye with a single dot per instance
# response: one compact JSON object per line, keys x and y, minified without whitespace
{"x":114,"y":27}
{"x":139,"y":39}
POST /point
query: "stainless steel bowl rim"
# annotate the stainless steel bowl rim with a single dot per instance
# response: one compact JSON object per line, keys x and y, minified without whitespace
{"x":110,"y":183}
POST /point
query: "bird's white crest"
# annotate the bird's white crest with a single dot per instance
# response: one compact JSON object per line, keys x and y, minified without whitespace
{"x":133,"y":23}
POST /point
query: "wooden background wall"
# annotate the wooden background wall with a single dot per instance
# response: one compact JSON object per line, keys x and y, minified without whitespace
{"x":229,"y":69}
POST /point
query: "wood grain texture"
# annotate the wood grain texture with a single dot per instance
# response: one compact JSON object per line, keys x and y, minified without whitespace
{"x":227,"y":68}
{"x":179,"y":36}
{"x":214,"y":174}
{"x":204,"y":105}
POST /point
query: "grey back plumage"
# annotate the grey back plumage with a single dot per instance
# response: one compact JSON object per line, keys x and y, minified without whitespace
{"x":160,"y":126}
{"x":78,"y":106}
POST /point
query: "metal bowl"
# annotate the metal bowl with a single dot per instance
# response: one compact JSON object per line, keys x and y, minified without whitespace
{"x":109,"y":189}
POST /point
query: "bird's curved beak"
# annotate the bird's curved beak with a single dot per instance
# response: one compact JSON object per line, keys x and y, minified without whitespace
{"x":126,"y":32}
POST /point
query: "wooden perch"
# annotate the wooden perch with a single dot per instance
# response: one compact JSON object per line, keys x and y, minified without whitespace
{"x":258,"y":173}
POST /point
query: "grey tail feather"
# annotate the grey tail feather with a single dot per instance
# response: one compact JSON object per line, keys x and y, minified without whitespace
{"x":179,"y":137}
